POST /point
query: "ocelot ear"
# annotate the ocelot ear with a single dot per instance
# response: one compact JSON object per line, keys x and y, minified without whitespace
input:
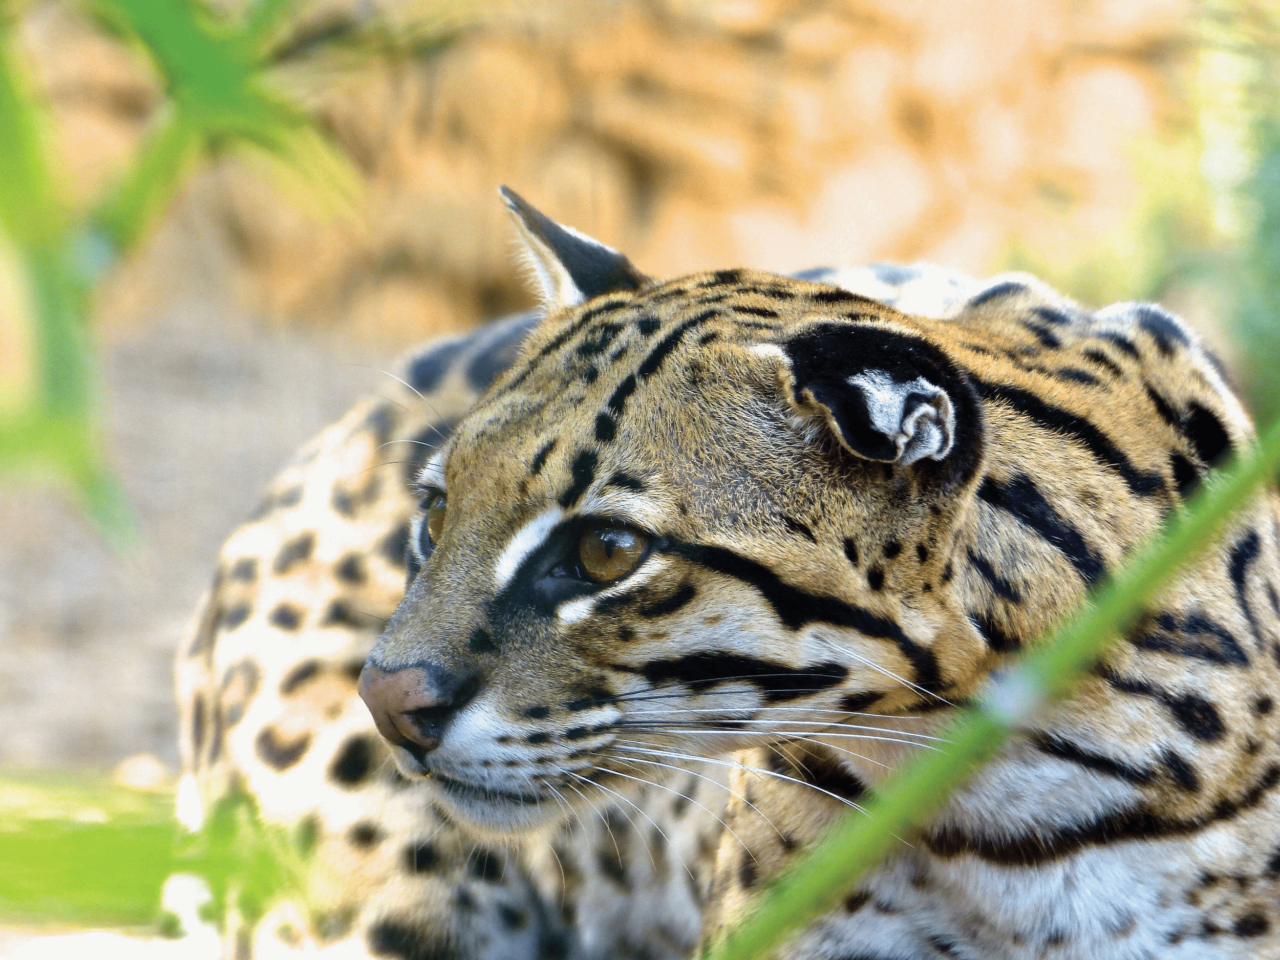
{"x":570,"y":266}
{"x":887,"y":393}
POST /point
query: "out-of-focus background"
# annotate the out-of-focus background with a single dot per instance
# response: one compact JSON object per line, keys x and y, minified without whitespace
{"x":1120,"y":148}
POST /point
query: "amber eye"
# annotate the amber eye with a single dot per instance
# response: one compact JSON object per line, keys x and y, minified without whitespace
{"x":607,"y":553}
{"x":435,"y":517}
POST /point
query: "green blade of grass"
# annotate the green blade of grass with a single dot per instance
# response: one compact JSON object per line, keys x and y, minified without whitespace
{"x":82,"y":852}
{"x":826,"y":872}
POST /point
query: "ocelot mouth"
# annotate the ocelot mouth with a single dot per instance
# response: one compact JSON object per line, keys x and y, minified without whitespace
{"x":459,"y":790}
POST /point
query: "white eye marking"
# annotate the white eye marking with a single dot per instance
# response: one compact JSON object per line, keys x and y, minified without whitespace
{"x":526,"y":540}
{"x":432,"y":473}
{"x":770,"y":350}
{"x":571,"y":611}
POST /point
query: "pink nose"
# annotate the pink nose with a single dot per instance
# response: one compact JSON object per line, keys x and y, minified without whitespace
{"x":410,"y":708}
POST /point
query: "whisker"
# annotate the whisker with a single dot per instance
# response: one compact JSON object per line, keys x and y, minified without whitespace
{"x":669,"y":716}
{"x":639,"y":810}
{"x":656,"y":727}
{"x":701,"y":776}
{"x":655,"y":783}
{"x":742,"y":766}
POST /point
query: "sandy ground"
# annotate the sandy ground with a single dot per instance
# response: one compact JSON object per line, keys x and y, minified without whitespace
{"x":201,"y":414}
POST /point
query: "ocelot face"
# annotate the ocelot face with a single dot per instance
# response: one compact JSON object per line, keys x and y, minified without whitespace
{"x":692,"y":517}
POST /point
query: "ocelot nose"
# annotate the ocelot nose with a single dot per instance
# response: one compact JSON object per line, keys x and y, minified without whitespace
{"x":412,"y":704}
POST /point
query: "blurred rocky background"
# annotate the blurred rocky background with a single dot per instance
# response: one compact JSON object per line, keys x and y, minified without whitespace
{"x":1064,"y":136}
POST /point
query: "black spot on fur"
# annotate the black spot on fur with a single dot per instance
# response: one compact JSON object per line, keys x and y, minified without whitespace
{"x":625,"y":481}
{"x":235,"y":615}
{"x":380,"y":422}
{"x":482,"y":641}
{"x":1164,"y":408}
{"x":1121,"y":341}
{"x":1193,"y":635}
{"x":537,"y":739}
{"x":856,"y":901}
{"x":1076,"y":375}
{"x":299,"y":675}
{"x":1206,"y":434}
{"x":778,"y":681}
{"x":395,"y":545}
{"x":293,"y":552}
{"x":341,"y":614}
{"x":1104,"y":830}
{"x":350,"y":569}
{"x":364,"y":835}
{"x":1263,"y":705}
{"x":858,"y":702}
{"x":353,"y":762}
{"x":427,"y":370}
{"x":1182,"y":773}
{"x":245,"y":570}
{"x":1102,"y":360}
{"x":747,"y":870}
{"x":669,"y":604}
{"x":1005,"y":289}
{"x":286,"y":616}
{"x":606,"y":428}
{"x":997,"y":638}
{"x":1197,"y":716}
{"x":1043,"y":334}
{"x":1242,"y":556}
{"x":610,"y":864}
{"x":875,"y":578}
{"x":540,"y":458}
{"x":999,"y":585}
{"x":537,"y":713}
{"x":796,"y":607}
{"x":891,"y":549}
{"x":653,"y":362}
{"x":1166,"y":331}
{"x":421,"y":857}
{"x":1185,"y":475}
{"x":197,"y":726}
{"x":1020,"y":497}
{"x":851,"y":551}
{"x":648,"y":326}
{"x":1253,"y":924}
{"x":1064,"y":749}
{"x":621,"y":393}
{"x":276,"y":753}
{"x":389,"y":938}
{"x":485,"y":865}
{"x":1078,"y":428}
{"x":795,"y":526}
{"x":583,"y":473}
{"x":500,"y":353}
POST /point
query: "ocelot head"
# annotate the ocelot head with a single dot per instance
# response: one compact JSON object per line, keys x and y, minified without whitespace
{"x":693,"y":516}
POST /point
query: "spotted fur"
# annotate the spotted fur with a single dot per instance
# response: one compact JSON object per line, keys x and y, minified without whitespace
{"x":863,"y":491}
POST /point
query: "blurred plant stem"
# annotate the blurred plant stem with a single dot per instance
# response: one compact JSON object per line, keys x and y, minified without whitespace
{"x":218,"y":99}
{"x":1239,"y":87}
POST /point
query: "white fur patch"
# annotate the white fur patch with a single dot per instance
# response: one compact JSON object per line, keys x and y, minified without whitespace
{"x":432,"y":472}
{"x":925,"y":431}
{"x":188,"y":808}
{"x":526,"y":540}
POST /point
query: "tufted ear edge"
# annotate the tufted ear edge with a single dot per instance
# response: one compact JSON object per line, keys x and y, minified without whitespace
{"x":886,"y":393}
{"x":570,"y":267}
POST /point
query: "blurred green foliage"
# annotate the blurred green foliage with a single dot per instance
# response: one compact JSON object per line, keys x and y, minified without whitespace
{"x":86,"y":853}
{"x":218,"y":98}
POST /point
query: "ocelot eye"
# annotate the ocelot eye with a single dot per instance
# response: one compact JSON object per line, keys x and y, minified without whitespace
{"x":606,"y":553}
{"x":433,"y":522}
